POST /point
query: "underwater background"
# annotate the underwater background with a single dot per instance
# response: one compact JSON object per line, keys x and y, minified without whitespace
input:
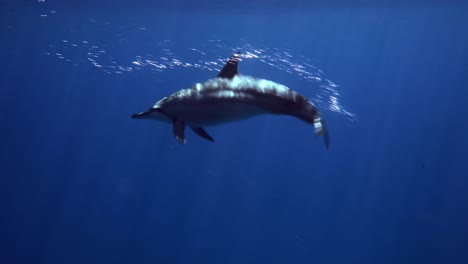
{"x":82,"y":182}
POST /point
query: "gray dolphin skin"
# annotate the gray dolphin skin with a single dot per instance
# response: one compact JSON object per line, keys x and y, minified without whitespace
{"x":231,"y":97}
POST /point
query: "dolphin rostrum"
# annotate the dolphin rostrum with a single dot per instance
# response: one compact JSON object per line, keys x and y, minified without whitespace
{"x":230,"y":97}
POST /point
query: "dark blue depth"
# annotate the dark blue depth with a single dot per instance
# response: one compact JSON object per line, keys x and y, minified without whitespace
{"x":81,"y":182}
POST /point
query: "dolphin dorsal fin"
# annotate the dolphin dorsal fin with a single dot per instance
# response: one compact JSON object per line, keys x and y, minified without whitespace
{"x":230,"y":68}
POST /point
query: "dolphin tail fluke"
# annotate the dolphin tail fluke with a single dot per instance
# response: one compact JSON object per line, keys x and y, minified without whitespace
{"x":321,"y":130}
{"x":326,"y":138}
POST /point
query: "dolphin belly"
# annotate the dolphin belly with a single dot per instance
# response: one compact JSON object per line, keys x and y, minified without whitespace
{"x":214,"y":113}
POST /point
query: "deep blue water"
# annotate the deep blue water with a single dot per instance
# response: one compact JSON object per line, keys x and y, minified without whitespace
{"x":81,"y":182}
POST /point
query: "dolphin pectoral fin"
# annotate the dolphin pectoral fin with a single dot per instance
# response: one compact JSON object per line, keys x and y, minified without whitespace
{"x":202,"y":133}
{"x":178,"y":127}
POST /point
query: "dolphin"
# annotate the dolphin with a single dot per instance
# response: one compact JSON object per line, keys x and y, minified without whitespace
{"x":231,"y":97}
